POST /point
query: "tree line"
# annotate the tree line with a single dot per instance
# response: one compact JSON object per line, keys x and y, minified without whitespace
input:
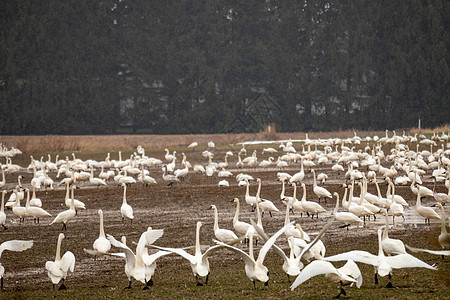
{"x":114,"y":66}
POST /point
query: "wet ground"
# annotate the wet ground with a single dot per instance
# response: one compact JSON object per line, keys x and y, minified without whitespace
{"x":176,"y":209}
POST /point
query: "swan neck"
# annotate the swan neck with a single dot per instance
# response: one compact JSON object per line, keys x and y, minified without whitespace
{"x":27,"y":204}
{"x":386,"y":228}
{"x":443,"y":219}
{"x":236,"y":215}
{"x":380,"y":247}
{"x":2,"y":209}
{"x":337,"y":205}
{"x":250,"y":247}
{"x":58,"y":248}
{"x":216,"y":219}
{"x":197,"y":240}
{"x":102,"y":230}
{"x":124,"y":200}
{"x":67,"y":191}
{"x":72,"y":201}
{"x":287,"y":219}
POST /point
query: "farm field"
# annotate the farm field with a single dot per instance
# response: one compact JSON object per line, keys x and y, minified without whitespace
{"x":178,"y":208}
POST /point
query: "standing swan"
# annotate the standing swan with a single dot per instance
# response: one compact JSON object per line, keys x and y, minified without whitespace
{"x":101,"y":244}
{"x":2,"y":211}
{"x":199,"y":262}
{"x":345,"y":217}
{"x":13,"y":245}
{"x":142,"y":265}
{"x":223,"y":235}
{"x":57,"y":270}
{"x":240,"y":227}
{"x":321,"y":192}
{"x":426,"y":212}
{"x":35,"y":212}
{"x":254,"y":269}
{"x":65,"y":216}
{"x":126,"y":210}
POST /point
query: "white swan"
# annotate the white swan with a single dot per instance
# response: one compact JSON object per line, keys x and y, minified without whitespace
{"x":18,"y":210}
{"x":3,"y":182}
{"x":96,"y":181}
{"x":77,"y":203}
{"x":35,"y":212}
{"x":57,"y":270}
{"x":298,"y":177}
{"x":199,"y":261}
{"x":321,"y":192}
{"x":101,"y":245}
{"x":254,"y":269}
{"x":264,"y":204}
{"x":240,"y":227}
{"x":444,"y":237}
{"x":391,"y":246}
{"x":140,"y":266}
{"x":383,"y":264}
{"x":396,"y":209}
{"x":125,"y":209}
{"x":427,"y":212}
{"x":2,"y":211}
{"x":65,"y":216}
{"x":347,"y":218}
{"x":34,"y":201}
{"x":169,"y":177}
{"x":309,"y":206}
{"x":345,"y":275}
{"x":13,"y":245}
{"x":223,"y":235}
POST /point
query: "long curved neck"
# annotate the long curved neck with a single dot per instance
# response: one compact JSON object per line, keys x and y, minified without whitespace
{"x":443,"y":219}
{"x":294,"y":195}
{"x":301,"y":165}
{"x":58,"y":248}
{"x":236,"y":215}
{"x":216,"y":219}
{"x":102,"y":230}
{"x":258,"y":193}
{"x":380,"y":247}
{"x":344,"y":198}
{"x":72,"y":201}
{"x":337,"y":205}
{"x":197,"y":240}
{"x":17,"y":198}
{"x":34,"y":191}
{"x":386,"y":228}
{"x":378,"y":189}
{"x":2,"y":209}
{"x":258,"y":214}
{"x":314,"y":177}
{"x":418,"y":203}
{"x":67,"y":191}
{"x":283,"y":188}
{"x":361,"y":195}
{"x":287,"y":219}
{"x":124,"y":200}
{"x":304,"y":193}
{"x":250,"y":247}
{"x":27,"y":204}
{"x":247,"y":191}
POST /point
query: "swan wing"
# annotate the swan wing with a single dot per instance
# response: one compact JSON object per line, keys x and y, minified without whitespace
{"x":356,"y":255}
{"x":351,"y":269}
{"x":128,"y":252}
{"x":271,"y":241}
{"x":434,"y":252}
{"x":67,"y":262}
{"x":265,"y":237}
{"x":316,"y":267}
{"x":210,"y":251}
{"x":178,"y":251}
{"x":152,"y":235}
{"x":407,"y":261}
{"x":149,"y":259}
{"x":317,"y":238}
{"x":15,"y":245}
{"x":247,"y":259}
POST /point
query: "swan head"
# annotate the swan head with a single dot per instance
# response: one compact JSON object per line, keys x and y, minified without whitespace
{"x":61,"y":236}
{"x":199,"y":224}
{"x":100,"y":212}
{"x":336,"y":194}
{"x":212,"y":207}
{"x":235,"y":200}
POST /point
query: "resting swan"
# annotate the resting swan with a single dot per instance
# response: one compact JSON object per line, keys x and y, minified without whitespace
{"x":58,"y":269}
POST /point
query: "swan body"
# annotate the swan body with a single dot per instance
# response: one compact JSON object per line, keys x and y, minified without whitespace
{"x":140,"y":266}
{"x":223,"y":235}
{"x":255,"y":269}
{"x":310,"y":206}
{"x":298,"y":177}
{"x":321,"y":192}
{"x":77,"y":203}
{"x":67,"y":215}
{"x":96,"y":181}
{"x":427,"y":212}
{"x":391,"y":246}
{"x":57,"y":270}
{"x":125,"y":209}
{"x":18,"y":210}
{"x":35,"y":212}
{"x":199,"y":261}
{"x":102,"y":244}
{"x":347,"y":218}
{"x":240,"y":227}
{"x":444,"y":236}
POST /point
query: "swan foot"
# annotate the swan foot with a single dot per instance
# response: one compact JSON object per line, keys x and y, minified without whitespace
{"x":62,"y":287}
{"x":389,"y":285}
{"x":150,"y":282}
{"x":4,"y":227}
{"x":129,"y":286}
{"x":199,"y":283}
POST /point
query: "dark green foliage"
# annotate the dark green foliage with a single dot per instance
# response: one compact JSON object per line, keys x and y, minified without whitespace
{"x":98,"y":67}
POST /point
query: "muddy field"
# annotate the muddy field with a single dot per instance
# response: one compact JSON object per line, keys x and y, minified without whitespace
{"x":176,"y":209}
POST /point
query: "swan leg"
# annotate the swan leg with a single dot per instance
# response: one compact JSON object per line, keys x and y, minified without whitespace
{"x":1,"y":283}
{"x":64,"y":226}
{"x":62,"y":286}
{"x":266,"y":283}
{"x":289,"y":278}
{"x":198,"y":281}
{"x":129,"y":285}
{"x":254,"y":285}
{"x":207,"y":277}
{"x":341,"y":292}
{"x":389,"y":285}
{"x":376,"y":278}
{"x":4,"y":227}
